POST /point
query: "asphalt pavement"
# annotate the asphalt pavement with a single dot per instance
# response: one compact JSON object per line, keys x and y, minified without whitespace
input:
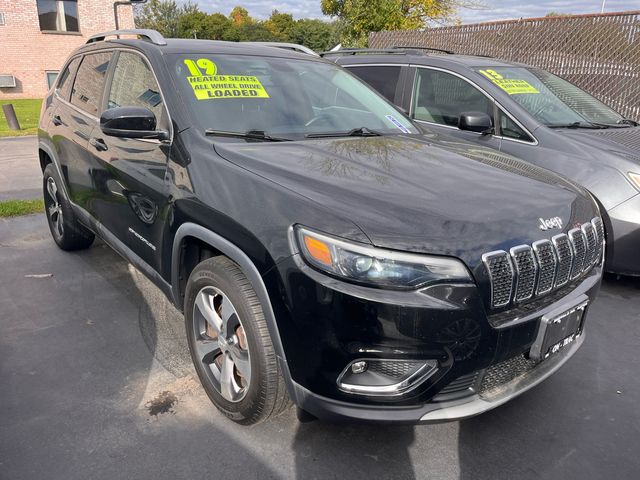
{"x":20,"y":175}
{"x":96,"y":383}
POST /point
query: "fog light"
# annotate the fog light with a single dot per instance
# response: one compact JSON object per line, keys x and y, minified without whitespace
{"x":358,"y":367}
{"x":381,"y":377}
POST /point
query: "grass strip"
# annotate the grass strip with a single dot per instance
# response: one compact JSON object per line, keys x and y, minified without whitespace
{"x":28,"y":113}
{"x":16,"y":208}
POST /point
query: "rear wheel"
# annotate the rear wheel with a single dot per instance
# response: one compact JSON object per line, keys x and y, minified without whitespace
{"x":230,"y":344}
{"x":65,"y":228}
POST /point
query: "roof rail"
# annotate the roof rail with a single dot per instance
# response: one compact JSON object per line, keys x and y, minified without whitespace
{"x":397,"y":50}
{"x":356,"y":51}
{"x":150,"y":35}
{"x":287,"y":46}
{"x":431,"y":49}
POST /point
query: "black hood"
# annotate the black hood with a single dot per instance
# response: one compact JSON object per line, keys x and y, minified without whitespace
{"x":410,"y":194}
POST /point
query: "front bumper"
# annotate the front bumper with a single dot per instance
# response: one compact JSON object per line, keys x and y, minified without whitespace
{"x":623,"y":238}
{"x":432,"y":412}
{"x":326,"y":324}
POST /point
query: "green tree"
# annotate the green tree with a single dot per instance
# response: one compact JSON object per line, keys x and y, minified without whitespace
{"x":201,"y":25}
{"x":240,"y":16}
{"x":163,"y":16}
{"x":360,"y":17}
{"x":315,"y":34}
{"x":281,"y":25}
{"x":252,"y":32}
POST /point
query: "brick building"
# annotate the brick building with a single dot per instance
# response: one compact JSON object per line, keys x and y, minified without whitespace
{"x":36,"y":36}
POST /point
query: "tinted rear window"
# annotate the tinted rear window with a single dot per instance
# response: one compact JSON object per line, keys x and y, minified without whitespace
{"x":66,"y":78}
{"x":383,"y":78}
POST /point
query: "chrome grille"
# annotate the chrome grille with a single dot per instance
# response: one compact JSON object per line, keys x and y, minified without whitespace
{"x":599,"y":227}
{"x":592,"y":254}
{"x":547,"y":262}
{"x":528,"y":271}
{"x":501,"y":273}
{"x":579,"y":246}
{"x":565,"y":259}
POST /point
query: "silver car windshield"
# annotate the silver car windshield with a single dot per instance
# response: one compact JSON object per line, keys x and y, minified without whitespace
{"x":282,"y":97}
{"x":550,"y":99}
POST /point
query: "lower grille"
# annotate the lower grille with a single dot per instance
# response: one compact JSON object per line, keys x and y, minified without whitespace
{"x":393,"y":369}
{"x":499,"y":374}
{"x":460,"y":387}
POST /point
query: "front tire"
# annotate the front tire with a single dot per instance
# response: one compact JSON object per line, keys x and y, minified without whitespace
{"x":65,"y":228}
{"x":230,"y":343}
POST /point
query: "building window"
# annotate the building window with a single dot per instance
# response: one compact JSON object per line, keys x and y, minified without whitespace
{"x":51,"y":79}
{"x":58,"y":15}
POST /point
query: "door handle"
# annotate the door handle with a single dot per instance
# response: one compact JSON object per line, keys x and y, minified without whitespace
{"x":56,"y":120}
{"x":98,"y":144}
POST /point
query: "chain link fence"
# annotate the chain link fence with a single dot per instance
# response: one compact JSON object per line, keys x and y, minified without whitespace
{"x":599,"y":53}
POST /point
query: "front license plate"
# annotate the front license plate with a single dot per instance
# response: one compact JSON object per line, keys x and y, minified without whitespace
{"x":559,"y":330}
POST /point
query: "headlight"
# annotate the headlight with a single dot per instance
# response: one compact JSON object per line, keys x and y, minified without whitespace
{"x":635,"y":179}
{"x":376,"y":266}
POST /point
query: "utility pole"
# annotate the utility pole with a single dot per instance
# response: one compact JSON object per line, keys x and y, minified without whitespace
{"x":121,"y":2}
{"x":604,"y":3}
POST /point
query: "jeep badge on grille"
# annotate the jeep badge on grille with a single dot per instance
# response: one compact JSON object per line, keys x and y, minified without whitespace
{"x":549,"y":223}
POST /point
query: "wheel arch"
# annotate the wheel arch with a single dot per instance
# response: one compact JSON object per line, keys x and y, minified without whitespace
{"x":221,"y":246}
{"x":46,"y":156}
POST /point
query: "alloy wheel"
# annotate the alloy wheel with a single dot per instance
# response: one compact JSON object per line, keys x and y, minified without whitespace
{"x":54,"y":209}
{"x":221,"y":343}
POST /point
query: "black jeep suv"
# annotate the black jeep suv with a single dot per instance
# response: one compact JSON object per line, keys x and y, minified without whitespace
{"x":322,"y":248}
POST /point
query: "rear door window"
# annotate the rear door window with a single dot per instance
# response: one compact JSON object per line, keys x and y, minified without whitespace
{"x":440,"y":97}
{"x":383,"y":78}
{"x":89,"y":84}
{"x":65,"y":80}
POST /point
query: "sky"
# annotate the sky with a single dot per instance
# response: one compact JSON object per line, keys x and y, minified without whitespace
{"x":495,"y":10}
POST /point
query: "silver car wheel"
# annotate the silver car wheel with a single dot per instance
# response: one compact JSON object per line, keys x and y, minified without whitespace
{"x":221,"y":343}
{"x":54,"y":209}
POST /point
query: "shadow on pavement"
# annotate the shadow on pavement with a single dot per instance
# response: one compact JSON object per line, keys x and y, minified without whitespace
{"x":325,"y":450}
{"x":81,"y":396}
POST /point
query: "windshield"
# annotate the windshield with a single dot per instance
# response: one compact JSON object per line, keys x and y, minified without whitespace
{"x":281,"y":97}
{"x":550,"y":99}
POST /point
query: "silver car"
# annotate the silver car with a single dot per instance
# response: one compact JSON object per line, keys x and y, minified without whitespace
{"x":526,"y":112}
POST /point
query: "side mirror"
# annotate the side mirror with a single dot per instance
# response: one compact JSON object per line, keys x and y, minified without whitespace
{"x":131,"y":122}
{"x":476,"y":122}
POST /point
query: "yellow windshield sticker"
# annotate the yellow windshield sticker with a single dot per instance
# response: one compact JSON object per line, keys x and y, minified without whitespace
{"x":207,"y":85}
{"x":509,"y":85}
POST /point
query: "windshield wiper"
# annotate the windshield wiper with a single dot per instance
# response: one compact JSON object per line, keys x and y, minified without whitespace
{"x":590,"y":125}
{"x":610,"y":125}
{"x":251,"y":134}
{"x":355,"y":132}
{"x":628,"y":121}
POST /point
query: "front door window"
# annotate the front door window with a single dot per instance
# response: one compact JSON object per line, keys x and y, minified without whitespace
{"x":441,"y":98}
